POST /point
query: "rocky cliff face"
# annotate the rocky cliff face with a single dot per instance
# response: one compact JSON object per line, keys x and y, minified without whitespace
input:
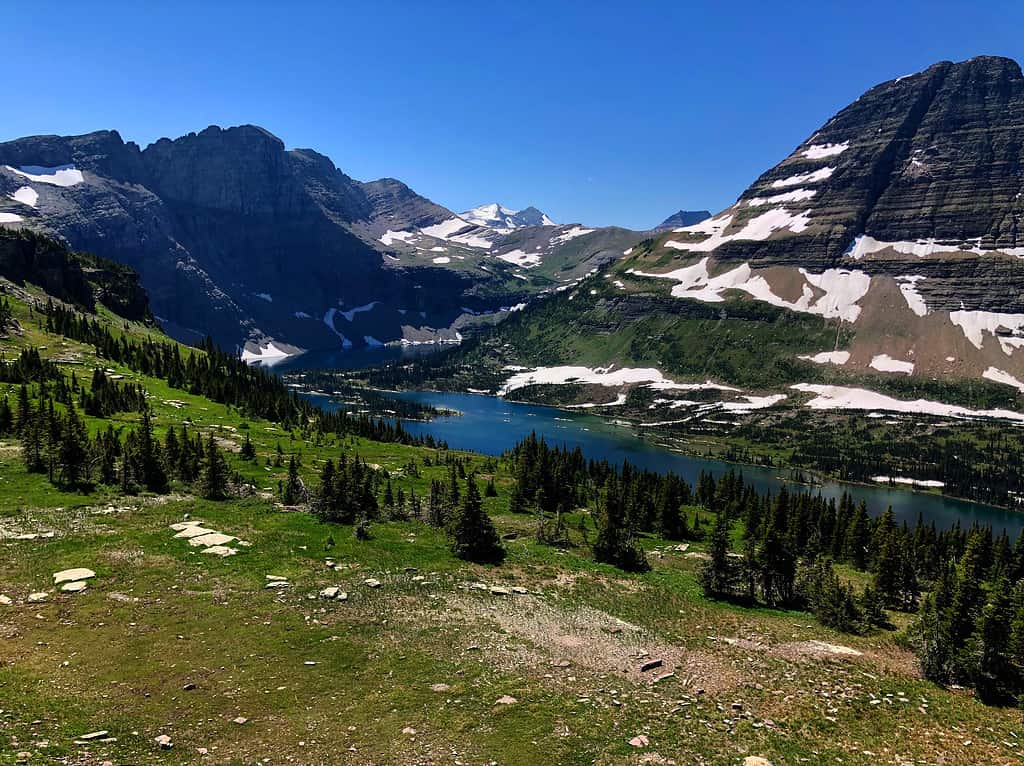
{"x":900,"y":217}
{"x":683,"y":218}
{"x":238,"y":237}
{"x":76,"y":278}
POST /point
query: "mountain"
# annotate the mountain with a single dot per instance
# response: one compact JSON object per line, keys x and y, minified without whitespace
{"x":496,"y":216}
{"x":683,"y":218}
{"x":885,"y":251}
{"x":237,"y":237}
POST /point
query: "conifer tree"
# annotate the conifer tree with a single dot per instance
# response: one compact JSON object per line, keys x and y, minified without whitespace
{"x":616,"y":543}
{"x":473,"y":536}
{"x":213,"y":483}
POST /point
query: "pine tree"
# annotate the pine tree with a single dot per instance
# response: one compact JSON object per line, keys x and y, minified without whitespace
{"x":6,"y":417}
{"x":248,"y":451}
{"x":213,"y":483}
{"x":473,"y":536}
{"x":718,"y":575}
{"x":73,"y":453}
{"x":615,"y":543}
{"x":999,"y":677}
{"x":294,"y":491}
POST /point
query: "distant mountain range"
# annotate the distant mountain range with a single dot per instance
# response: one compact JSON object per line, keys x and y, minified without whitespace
{"x":237,"y":237}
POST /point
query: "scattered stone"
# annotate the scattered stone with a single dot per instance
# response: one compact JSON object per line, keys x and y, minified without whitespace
{"x":276,"y":578}
{"x":277,"y":584}
{"x":371,"y":582}
{"x":664,"y":677}
{"x":164,"y":741}
{"x":221,"y":550}
{"x":497,"y":590}
{"x":5,"y":600}
{"x":240,"y":720}
{"x":520,"y":590}
{"x":72,"y":575}
{"x":23,"y":756}
{"x":189,"y":686}
{"x":183,"y":525}
{"x":74,"y":587}
{"x":756,"y":760}
{"x":331,"y":592}
{"x":121,"y":597}
{"x":651,"y":665}
{"x":409,"y":730}
{"x":35,"y":598}
{"x":194,"y":530}
{"x":93,"y":735}
{"x":506,"y":700}
{"x":640,"y":741}
{"x":343,"y":596}
{"x":439,"y":687}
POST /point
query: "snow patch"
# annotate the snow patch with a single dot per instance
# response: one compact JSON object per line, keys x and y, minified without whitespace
{"x":908,"y":286}
{"x":603,"y":376}
{"x":844,"y":398}
{"x":842,"y":288}
{"x":10,"y":218}
{"x":798,"y":195}
{"x":885,"y":363}
{"x":265,"y":296}
{"x":26,"y":195}
{"x":905,"y":480}
{"x":267,"y":354}
{"x":350,"y":314}
{"x":827,"y":357}
{"x":756,"y":229}
{"x":390,"y":237}
{"x":804,"y":178}
{"x":61,"y":175}
{"x":820,"y":151}
{"x":442,"y":259}
{"x":575,"y":231}
{"x":999,"y":376}
{"x":520,"y":258}
{"x":975,"y":324}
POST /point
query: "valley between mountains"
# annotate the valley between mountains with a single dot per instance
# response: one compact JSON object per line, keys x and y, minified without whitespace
{"x":201,"y":565}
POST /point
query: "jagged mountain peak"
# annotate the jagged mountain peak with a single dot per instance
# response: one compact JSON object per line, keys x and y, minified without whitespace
{"x":494,"y":215}
{"x":683,"y":218}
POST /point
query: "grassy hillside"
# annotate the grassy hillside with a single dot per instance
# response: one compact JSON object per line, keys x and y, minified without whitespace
{"x":538,"y":660}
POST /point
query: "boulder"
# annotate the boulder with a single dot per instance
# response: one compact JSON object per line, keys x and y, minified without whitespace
{"x":74,"y":587}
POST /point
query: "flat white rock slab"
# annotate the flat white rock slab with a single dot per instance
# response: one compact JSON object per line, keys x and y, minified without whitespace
{"x":72,"y":575}
{"x":210,"y":538}
{"x":185,"y":525}
{"x":74,"y":587}
{"x":193,"y":530}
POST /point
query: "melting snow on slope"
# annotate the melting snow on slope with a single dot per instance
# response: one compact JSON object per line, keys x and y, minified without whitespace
{"x":797,"y":195}
{"x":9,"y":218}
{"x":828,"y":357}
{"x":61,"y":175}
{"x":329,"y":321}
{"x":844,"y":398}
{"x":26,"y":195}
{"x":575,"y":231}
{"x":975,"y":324}
{"x":390,"y":237}
{"x":864,"y":245}
{"x":999,"y":376}
{"x":442,"y":259}
{"x":350,"y":314}
{"x":758,"y":228}
{"x":908,"y":286}
{"x":804,"y":178}
{"x":820,"y":151}
{"x":885,"y":363}
{"x":842,"y":288}
{"x":265,"y":296}
{"x":445,"y":229}
{"x":602,"y":376}
{"x":267,"y":354}
{"x":520,"y":258}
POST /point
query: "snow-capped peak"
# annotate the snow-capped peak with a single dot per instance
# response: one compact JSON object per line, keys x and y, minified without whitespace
{"x":496,"y":216}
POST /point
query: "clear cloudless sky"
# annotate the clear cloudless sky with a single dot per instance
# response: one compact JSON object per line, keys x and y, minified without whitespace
{"x":598,"y":112}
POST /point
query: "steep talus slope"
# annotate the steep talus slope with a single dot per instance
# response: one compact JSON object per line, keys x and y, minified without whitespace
{"x":238,"y":237}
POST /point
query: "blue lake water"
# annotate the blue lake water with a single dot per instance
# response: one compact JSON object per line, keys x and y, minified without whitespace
{"x":491,"y":425}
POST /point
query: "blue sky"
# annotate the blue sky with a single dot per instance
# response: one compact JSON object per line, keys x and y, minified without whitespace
{"x":604,"y":113}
